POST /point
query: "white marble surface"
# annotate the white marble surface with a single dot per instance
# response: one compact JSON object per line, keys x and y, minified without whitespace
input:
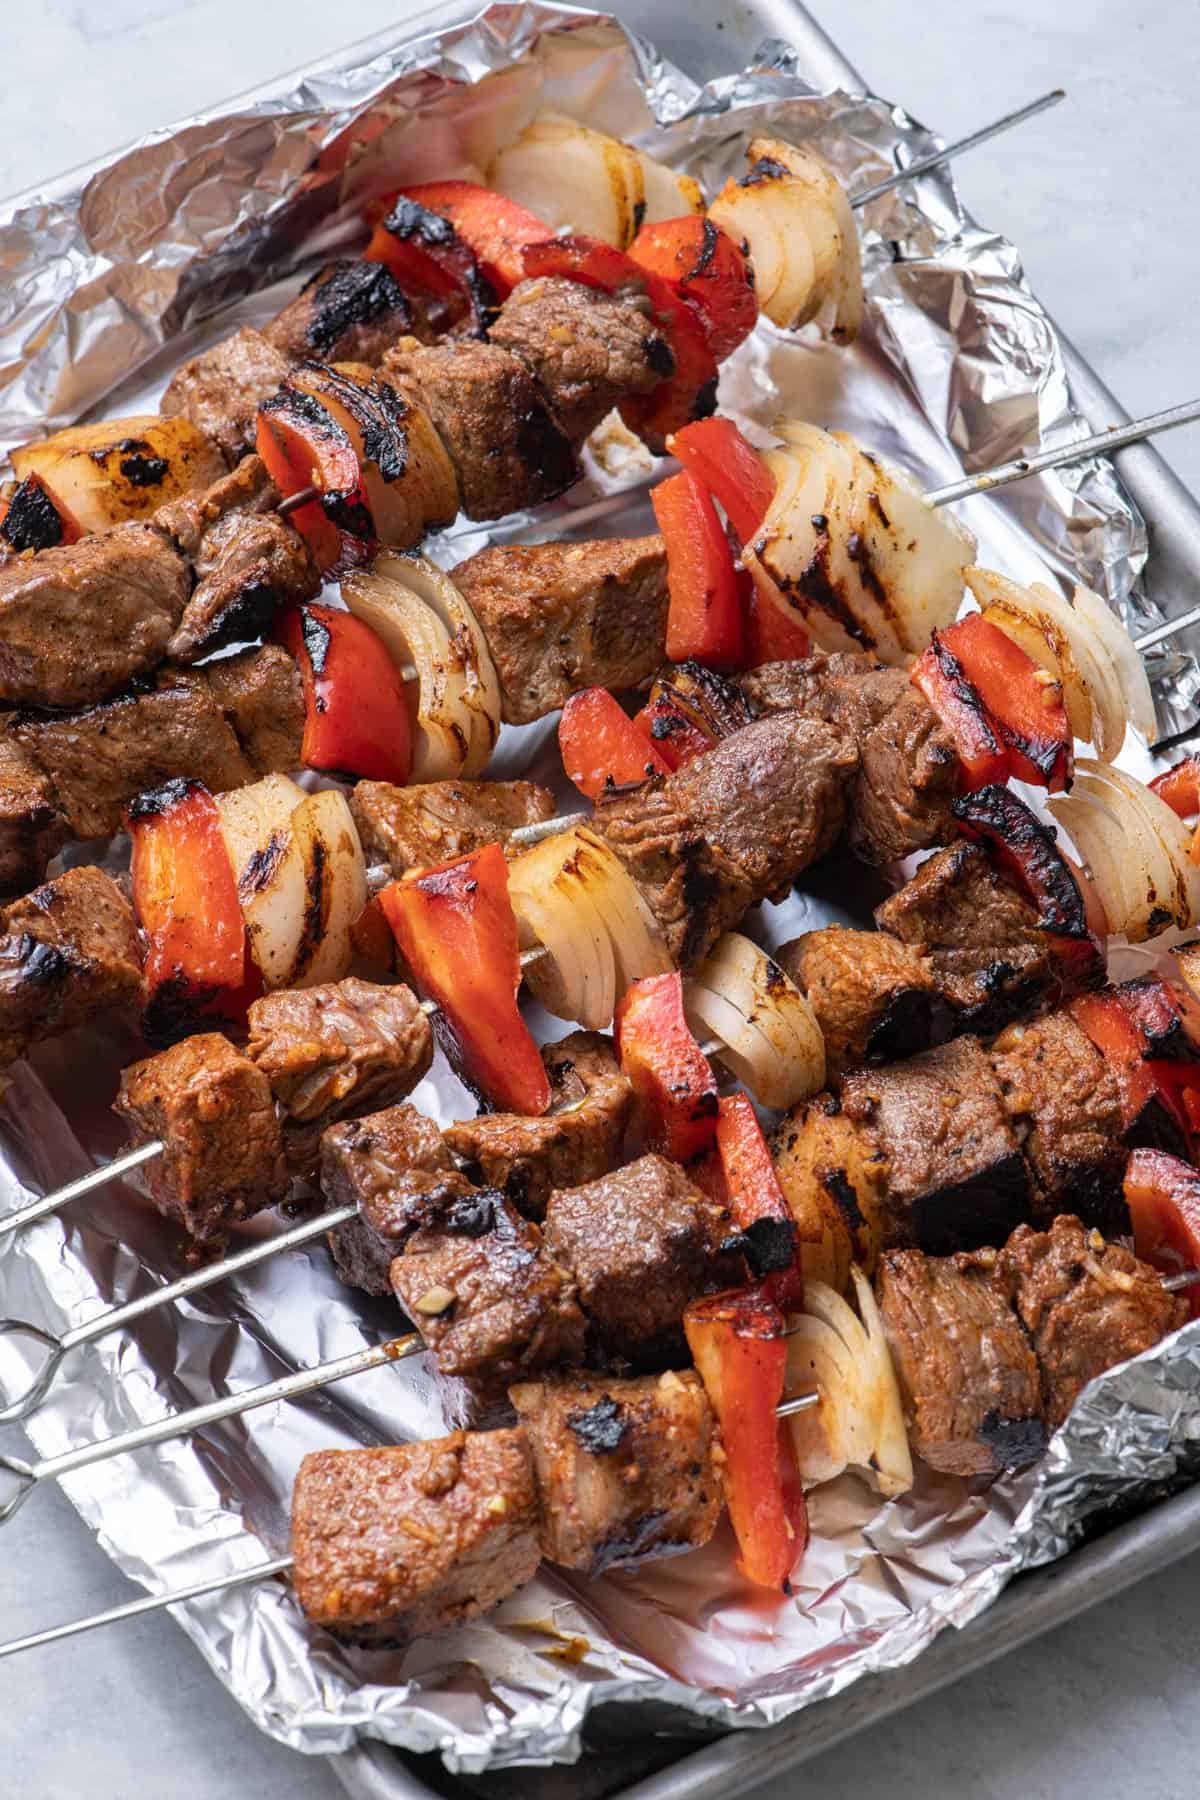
{"x":1103,"y":198}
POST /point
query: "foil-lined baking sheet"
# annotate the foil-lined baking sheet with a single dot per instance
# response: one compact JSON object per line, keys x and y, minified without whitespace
{"x":107,"y":284}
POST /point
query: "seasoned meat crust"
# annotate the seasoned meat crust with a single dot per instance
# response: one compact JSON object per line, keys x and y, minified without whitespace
{"x":80,"y":620}
{"x":528,"y":1158}
{"x":263,"y":566}
{"x":560,"y":617}
{"x":221,"y":390}
{"x":393,"y":1543}
{"x":394,"y":1166}
{"x":67,"y":951}
{"x":844,"y":688}
{"x":874,"y":999}
{"x":415,"y":827}
{"x":32,"y":829}
{"x":212,"y":1107}
{"x":349,"y":311}
{"x":260,"y":694}
{"x":625,"y":1469}
{"x":967,"y":1373}
{"x":587,"y":349}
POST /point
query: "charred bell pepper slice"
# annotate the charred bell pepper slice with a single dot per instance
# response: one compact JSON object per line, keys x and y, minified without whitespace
{"x":356,"y":717}
{"x":755,"y":1198}
{"x":494,"y":229}
{"x":770,"y":635}
{"x":457,"y":932}
{"x":602,"y":748}
{"x":1163,"y":1196}
{"x":185,"y":895}
{"x":303,"y":446}
{"x":1154,"y":1091}
{"x":1180,"y":788}
{"x":673,"y":727}
{"x":706,"y":269}
{"x":32,"y":519}
{"x":670,"y":1074}
{"x":1005,"y":714}
{"x":429,"y":257}
{"x":738,"y":1345}
{"x":729,"y":466}
{"x":704,"y":612}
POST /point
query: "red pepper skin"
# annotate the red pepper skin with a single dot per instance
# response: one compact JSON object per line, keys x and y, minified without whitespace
{"x":671,"y":1076}
{"x":356,"y":718}
{"x":589,"y":260}
{"x":32,"y":519}
{"x":704,"y":614}
{"x":673,"y":728}
{"x":1158,"y":1013}
{"x":1179,"y":786}
{"x":990,"y":695}
{"x":496,"y":231}
{"x":429,"y":257}
{"x":706,"y":269}
{"x":302,"y":446}
{"x":1160,"y":1097}
{"x":740,"y":1352}
{"x":197,"y":963}
{"x":728,"y":465}
{"x":756,"y":1201}
{"x":602,"y":747}
{"x":770,"y":635}
{"x":1163,"y":1197}
{"x":458,"y":934}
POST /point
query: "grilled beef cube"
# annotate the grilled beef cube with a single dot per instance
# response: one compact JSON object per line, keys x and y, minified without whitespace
{"x":834,"y":1177}
{"x":587,"y":349}
{"x":625,"y":1470}
{"x":979,"y":937}
{"x":561,"y":617}
{"x":967,"y":1373}
{"x":1066,"y":1104}
{"x":221,"y":390}
{"x":907,"y":783}
{"x":79,"y":621}
{"x":99,"y":759}
{"x":956,"y":1177}
{"x":212,"y":1108}
{"x":874,"y":999}
{"x":262,"y":567}
{"x":844,"y":688}
{"x":32,"y":829}
{"x":486,"y":1293}
{"x":415,"y":827}
{"x":349,"y":311}
{"x":260,"y":694}
{"x":640,"y":1244}
{"x":1086,"y":1305}
{"x":393,"y":1543}
{"x":67,"y":950}
{"x":395,"y":1167}
{"x":528,"y":1158}
{"x":507,"y":448}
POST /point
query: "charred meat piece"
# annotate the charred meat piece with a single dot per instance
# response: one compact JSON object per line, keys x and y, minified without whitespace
{"x":873,"y":997}
{"x":1066,"y":1105}
{"x":79,"y":621}
{"x":624,"y":1469}
{"x":349,"y":311}
{"x":221,"y":390}
{"x":907,"y":782}
{"x":967,"y":1372}
{"x":640,"y":1244}
{"x":1086,"y":1305}
{"x":260,"y":694}
{"x":394,"y":1166}
{"x":393,"y":1543}
{"x":262,"y":567}
{"x":528,"y":1158}
{"x":561,"y":617}
{"x":487,"y":1295}
{"x":67,"y":950}
{"x":32,"y":829}
{"x":507,"y":448}
{"x":212,"y":1108}
{"x":415,"y":827}
{"x":844,"y":688}
{"x":956,"y":1177}
{"x":587,"y":349}
{"x":200,"y":524}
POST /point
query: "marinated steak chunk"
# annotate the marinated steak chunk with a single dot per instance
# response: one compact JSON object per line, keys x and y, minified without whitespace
{"x":587,"y":349}
{"x":1086,"y":1305}
{"x":956,"y":1177}
{"x":263,"y":566}
{"x":349,"y":311}
{"x":221,"y":390}
{"x":415,"y":827}
{"x":561,"y":617}
{"x":873,"y":997}
{"x":201,"y":524}
{"x":485,"y":1292}
{"x":79,"y":621}
{"x":1066,"y":1105}
{"x":32,"y":829}
{"x":528,"y":1158}
{"x":260,"y":694}
{"x":67,"y":950}
{"x":844,"y":688}
{"x":624,"y":1469}
{"x":907,"y":782}
{"x":640,"y":1244}
{"x":394,"y":1543}
{"x":967,"y":1373}
{"x":213,"y":1110}
{"x":394,"y":1166}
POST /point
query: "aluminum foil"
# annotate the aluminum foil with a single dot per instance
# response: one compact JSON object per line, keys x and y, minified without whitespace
{"x":109,"y":279}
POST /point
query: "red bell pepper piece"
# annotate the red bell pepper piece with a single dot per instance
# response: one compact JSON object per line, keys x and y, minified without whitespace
{"x":1113,"y":1021}
{"x":673,"y":727}
{"x":671,"y":1076}
{"x":729,"y":466}
{"x":303,"y":446}
{"x":185,"y":894}
{"x":32,"y":519}
{"x":1163,"y":1197}
{"x":1007,"y":719}
{"x":429,"y":257}
{"x":704,"y":615}
{"x":1180,"y":788}
{"x":756,"y":1201}
{"x":705,"y":268}
{"x":738,"y":1345}
{"x":458,"y":934}
{"x":770,"y":635}
{"x":495,"y":230}
{"x":356,"y":718}
{"x":602,"y":747}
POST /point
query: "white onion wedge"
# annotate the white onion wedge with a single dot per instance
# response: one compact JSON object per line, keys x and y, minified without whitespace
{"x":892,"y":1458}
{"x":1110,"y":635}
{"x":256,"y":824}
{"x":121,"y":469}
{"x":667,"y":195}
{"x":860,"y":1421}
{"x":481,"y":685}
{"x":573,"y":178}
{"x":768,"y":1031}
{"x":443,"y":727}
{"x":335,"y":887}
{"x":1136,"y":849}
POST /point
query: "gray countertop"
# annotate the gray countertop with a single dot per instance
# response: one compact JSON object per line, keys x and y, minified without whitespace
{"x":1103,"y":199}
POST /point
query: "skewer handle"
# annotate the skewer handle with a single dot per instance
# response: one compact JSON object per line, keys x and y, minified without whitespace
{"x":937,"y":157}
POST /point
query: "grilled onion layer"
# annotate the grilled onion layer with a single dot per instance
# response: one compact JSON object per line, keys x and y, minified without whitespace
{"x":769,"y":1033}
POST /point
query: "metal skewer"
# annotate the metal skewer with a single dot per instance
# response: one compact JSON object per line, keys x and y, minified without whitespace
{"x":936,"y":158}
